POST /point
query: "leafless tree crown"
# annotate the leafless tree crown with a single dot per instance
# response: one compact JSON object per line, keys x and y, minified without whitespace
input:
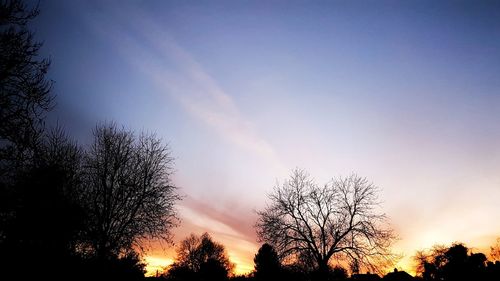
{"x":195,"y":250}
{"x":338,"y":220}
{"x":24,"y":87}
{"x":129,"y":193}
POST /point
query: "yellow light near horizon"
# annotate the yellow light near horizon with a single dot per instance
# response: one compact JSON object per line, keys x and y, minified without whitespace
{"x":242,"y":269}
{"x":156,"y":265}
{"x":406,"y":264}
{"x":240,"y":266}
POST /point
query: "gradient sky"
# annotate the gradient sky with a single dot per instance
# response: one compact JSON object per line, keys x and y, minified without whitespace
{"x":406,"y":93}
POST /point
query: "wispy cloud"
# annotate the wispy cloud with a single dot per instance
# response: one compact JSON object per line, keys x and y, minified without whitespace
{"x":230,"y":222}
{"x":148,"y":47}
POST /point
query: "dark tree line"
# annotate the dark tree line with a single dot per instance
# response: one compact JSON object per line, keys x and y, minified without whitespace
{"x":456,"y":263}
{"x":304,"y":223}
{"x":66,"y":209}
{"x":88,"y":209}
{"x":200,"y":258}
{"x":452,"y":263}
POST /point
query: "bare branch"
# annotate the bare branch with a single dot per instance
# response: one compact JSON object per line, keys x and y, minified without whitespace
{"x":336,"y":220}
{"x":129,"y":194}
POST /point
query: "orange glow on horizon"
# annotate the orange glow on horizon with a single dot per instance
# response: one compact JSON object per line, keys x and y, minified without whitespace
{"x":241,"y":246}
{"x":243,"y":265}
{"x":156,"y":265}
{"x":240,"y":266}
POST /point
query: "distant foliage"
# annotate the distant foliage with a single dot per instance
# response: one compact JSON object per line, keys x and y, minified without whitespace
{"x":455,"y":263}
{"x":200,"y":258}
{"x":267,"y":263}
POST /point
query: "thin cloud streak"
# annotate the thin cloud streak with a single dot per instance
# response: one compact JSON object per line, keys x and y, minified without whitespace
{"x":154,"y":52}
{"x":149,"y":48}
{"x":230,"y":218}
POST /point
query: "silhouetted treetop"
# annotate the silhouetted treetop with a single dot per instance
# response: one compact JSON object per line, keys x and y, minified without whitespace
{"x":24,"y":89}
{"x":195,"y":250}
{"x":128,"y":191}
{"x":200,"y":258}
{"x":15,"y":12}
{"x":267,"y":263}
{"x":456,"y":262}
{"x":315,"y":223}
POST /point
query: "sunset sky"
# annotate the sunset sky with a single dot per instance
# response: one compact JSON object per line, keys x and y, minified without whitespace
{"x":404,"y":93}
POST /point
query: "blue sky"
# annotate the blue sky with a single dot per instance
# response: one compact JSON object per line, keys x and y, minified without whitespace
{"x":406,"y":93}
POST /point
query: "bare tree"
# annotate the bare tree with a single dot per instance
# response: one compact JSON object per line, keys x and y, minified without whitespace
{"x":129,"y":195}
{"x":337,"y":220}
{"x":195,"y":250}
{"x":24,"y":89}
{"x":200,"y":258}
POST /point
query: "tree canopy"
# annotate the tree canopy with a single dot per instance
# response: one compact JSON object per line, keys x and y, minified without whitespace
{"x":456,"y":262}
{"x":128,"y":192}
{"x":200,"y":258}
{"x":24,"y":88}
{"x":315,"y":223}
{"x":267,"y":263}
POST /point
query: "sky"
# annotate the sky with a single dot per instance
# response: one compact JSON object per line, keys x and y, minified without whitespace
{"x":405,"y":93}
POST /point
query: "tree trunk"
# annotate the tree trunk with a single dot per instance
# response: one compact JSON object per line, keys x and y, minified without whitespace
{"x":323,"y":270}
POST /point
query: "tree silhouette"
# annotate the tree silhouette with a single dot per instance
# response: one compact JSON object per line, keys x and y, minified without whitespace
{"x":128,"y":194}
{"x":24,"y":89}
{"x":336,"y":220}
{"x":213,"y":269}
{"x":453,"y":263}
{"x":339,"y":273}
{"x":27,"y":173}
{"x":267,"y":264}
{"x":200,"y":258}
{"x":64,"y":210}
{"x":126,"y":267}
{"x":43,"y":218}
